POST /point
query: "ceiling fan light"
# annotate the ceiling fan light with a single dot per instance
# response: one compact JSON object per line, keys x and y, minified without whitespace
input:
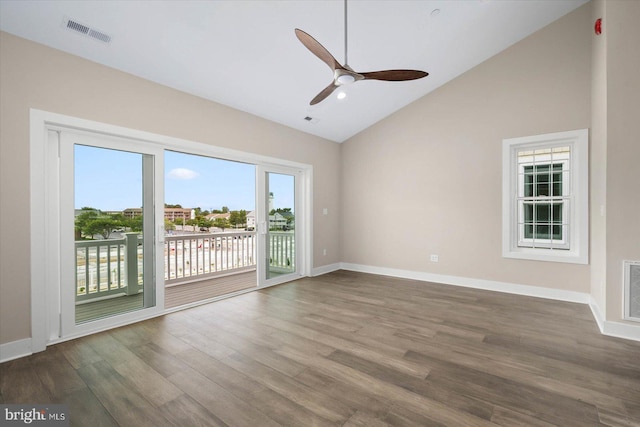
{"x":345,"y":79}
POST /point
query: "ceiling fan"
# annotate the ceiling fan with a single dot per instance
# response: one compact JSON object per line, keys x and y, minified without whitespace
{"x":344,"y":74}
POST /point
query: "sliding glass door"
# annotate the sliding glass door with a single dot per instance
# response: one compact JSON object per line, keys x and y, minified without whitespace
{"x":279,"y":238}
{"x":108,"y":227}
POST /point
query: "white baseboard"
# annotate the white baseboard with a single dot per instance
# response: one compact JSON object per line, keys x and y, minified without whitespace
{"x":622,"y":330}
{"x":629,"y":331}
{"x":15,"y":350}
{"x":467,"y":282}
{"x":324,"y":269}
{"x":597,"y":314}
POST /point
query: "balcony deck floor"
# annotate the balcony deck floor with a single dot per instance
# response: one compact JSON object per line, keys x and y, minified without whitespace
{"x":175,"y":296}
{"x":104,"y":308}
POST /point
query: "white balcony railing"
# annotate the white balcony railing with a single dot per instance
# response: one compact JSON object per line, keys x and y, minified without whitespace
{"x":106,"y":268}
{"x":282,"y":251}
{"x":187,"y":257}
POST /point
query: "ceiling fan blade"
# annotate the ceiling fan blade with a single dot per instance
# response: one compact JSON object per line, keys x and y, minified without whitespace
{"x":318,"y":50}
{"x":395,"y":75}
{"x":324,"y":93}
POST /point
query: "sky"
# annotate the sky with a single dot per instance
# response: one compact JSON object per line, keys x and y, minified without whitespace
{"x":111,"y":180}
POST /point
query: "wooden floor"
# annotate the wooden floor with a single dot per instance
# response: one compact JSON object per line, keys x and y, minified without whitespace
{"x":344,"y":349}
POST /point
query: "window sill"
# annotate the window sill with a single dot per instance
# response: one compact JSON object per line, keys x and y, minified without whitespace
{"x":569,"y":257}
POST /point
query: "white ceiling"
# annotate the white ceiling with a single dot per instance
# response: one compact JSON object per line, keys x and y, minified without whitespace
{"x":244,"y":54}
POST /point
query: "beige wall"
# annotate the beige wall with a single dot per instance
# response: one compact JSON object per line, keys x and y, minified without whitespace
{"x":427,"y":180}
{"x":34,"y":76}
{"x":598,"y":161}
{"x":623,"y":145}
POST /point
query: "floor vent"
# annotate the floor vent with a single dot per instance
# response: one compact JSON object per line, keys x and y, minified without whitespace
{"x":86,"y":30}
{"x":632,"y":290}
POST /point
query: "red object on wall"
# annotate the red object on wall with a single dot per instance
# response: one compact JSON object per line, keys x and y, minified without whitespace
{"x":598,"y":26}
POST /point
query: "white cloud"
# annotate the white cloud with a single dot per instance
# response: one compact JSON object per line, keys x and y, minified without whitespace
{"x":182,"y":173}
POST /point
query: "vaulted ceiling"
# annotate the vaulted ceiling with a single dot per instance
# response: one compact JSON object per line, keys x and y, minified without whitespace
{"x":245,"y":54}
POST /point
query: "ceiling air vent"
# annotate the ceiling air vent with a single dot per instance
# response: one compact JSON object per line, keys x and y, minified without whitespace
{"x":86,"y":30}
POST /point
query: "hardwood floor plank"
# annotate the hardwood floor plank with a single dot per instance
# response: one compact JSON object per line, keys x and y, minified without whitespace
{"x":419,"y":386}
{"x":207,"y":345}
{"x":398,"y":395}
{"x":319,"y":403}
{"x":184,"y":411}
{"x":227,"y":407}
{"x":633,"y":410}
{"x":110,"y":349}
{"x":402,"y":417}
{"x":614,"y":419}
{"x":356,"y":400}
{"x":508,"y":418}
{"x":57,"y":376}
{"x":511,"y":394}
{"x":125,"y":405}
{"x":19,"y":383}
{"x":159,"y":359}
{"x":534,"y":372}
{"x":280,"y":407}
{"x":286,"y":412}
{"x":78,"y":353}
{"x":146,"y":381}
{"x":86,"y":410}
{"x":363,"y":419}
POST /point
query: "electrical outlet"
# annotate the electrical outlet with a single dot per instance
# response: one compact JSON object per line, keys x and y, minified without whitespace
{"x":434,"y":258}
{"x":324,"y":252}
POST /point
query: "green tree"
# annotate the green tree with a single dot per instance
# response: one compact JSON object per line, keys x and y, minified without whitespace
{"x":103,"y":226}
{"x":225,"y":209}
{"x":237,"y":218}
{"x":87,"y":215}
{"x":135,"y":223}
{"x":167,"y":205}
{"x":168,"y":225}
{"x":221,"y":223}
{"x":93,"y":221}
{"x":203,"y":222}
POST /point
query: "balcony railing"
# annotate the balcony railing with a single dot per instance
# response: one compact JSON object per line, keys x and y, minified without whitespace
{"x":187,"y":257}
{"x":282,"y":251}
{"x":107,"y":268}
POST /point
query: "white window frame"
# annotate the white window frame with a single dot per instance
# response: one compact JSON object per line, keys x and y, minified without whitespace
{"x":576,"y":248}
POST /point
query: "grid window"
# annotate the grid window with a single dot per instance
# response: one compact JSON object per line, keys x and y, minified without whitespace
{"x":545,"y":197}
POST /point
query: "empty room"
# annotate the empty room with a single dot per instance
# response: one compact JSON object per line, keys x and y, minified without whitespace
{"x":320,"y":213}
